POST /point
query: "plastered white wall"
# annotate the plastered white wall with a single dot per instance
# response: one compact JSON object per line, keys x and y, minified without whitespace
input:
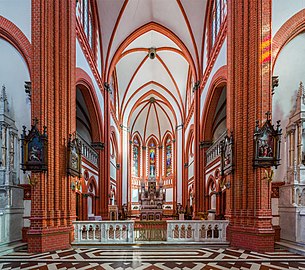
{"x":290,"y":69}
{"x":19,"y":13}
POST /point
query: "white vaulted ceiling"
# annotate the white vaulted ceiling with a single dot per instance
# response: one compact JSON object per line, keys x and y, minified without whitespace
{"x":152,"y":92}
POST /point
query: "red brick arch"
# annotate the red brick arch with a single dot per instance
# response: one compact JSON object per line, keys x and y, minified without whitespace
{"x":84,"y":82}
{"x":190,"y":139}
{"x":289,"y":30}
{"x":11,"y":33}
{"x":114,"y":139}
{"x":219,"y":79}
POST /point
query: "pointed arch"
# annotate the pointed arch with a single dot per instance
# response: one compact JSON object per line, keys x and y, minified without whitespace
{"x":218,"y":81}
{"x":168,"y":153}
{"x":12,"y":34}
{"x":152,"y":156}
{"x":142,"y":30}
{"x":136,"y":154}
{"x":114,"y":140}
{"x":85,"y":84}
{"x":189,"y":143}
{"x":289,"y":30}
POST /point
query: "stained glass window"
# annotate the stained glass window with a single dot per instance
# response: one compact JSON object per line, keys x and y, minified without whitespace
{"x":152,"y":159}
{"x":168,"y":158}
{"x":135,"y":151}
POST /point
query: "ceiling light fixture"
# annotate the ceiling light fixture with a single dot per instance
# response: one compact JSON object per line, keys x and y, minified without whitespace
{"x":152,"y":53}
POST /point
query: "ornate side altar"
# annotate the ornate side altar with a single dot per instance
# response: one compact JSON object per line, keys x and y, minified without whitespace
{"x":151,"y":200}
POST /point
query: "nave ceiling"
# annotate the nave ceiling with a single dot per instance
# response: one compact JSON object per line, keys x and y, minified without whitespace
{"x":153,"y":95}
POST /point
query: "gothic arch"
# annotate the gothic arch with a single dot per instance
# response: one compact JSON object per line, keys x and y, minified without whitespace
{"x":190,"y":139}
{"x":289,"y":30}
{"x":84,"y":82}
{"x":164,"y":145}
{"x":113,"y":138}
{"x":11,"y":33}
{"x":140,"y":31}
{"x":218,"y":81}
{"x":92,"y":194}
{"x":140,"y":161}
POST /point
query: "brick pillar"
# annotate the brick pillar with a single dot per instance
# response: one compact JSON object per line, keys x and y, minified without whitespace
{"x":119,"y":171}
{"x":54,"y":102}
{"x":198,"y":158}
{"x":104,"y":163}
{"x":185,"y":177}
{"x":248,"y":98}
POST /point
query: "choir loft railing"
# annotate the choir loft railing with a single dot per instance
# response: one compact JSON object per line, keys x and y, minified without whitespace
{"x":88,"y":151}
{"x":214,"y":150}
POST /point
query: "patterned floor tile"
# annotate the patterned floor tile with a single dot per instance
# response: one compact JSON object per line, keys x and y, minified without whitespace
{"x":148,"y":258}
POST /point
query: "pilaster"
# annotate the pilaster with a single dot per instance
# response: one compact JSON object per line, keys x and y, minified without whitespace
{"x":198,"y":157}
{"x":105,"y":158}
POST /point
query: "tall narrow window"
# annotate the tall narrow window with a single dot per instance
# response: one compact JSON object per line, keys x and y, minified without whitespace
{"x":168,"y":157}
{"x":85,"y":14}
{"x":152,"y":159}
{"x":218,"y":15}
{"x":135,"y":152}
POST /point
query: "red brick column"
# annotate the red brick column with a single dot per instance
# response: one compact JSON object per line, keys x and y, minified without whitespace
{"x":53,"y":84}
{"x":104,"y":163}
{"x":198,"y":158}
{"x":248,"y":98}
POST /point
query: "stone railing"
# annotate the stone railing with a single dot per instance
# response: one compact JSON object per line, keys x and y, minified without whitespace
{"x":214,"y":150}
{"x":197,"y":231}
{"x":103,"y":232}
{"x":88,"y":151}
{"x":178,"y":231}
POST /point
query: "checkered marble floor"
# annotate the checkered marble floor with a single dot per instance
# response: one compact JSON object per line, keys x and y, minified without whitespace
{"x":153,"y":257}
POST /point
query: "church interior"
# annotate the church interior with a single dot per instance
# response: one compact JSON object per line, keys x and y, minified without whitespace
{"x":140,"y":128}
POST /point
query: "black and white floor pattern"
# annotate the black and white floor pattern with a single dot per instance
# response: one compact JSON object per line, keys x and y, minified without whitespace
{"x":153,"y":257}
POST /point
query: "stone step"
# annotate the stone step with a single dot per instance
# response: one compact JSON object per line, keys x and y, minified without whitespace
{"x":12,"y":247}
{"x":291,"y":246}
